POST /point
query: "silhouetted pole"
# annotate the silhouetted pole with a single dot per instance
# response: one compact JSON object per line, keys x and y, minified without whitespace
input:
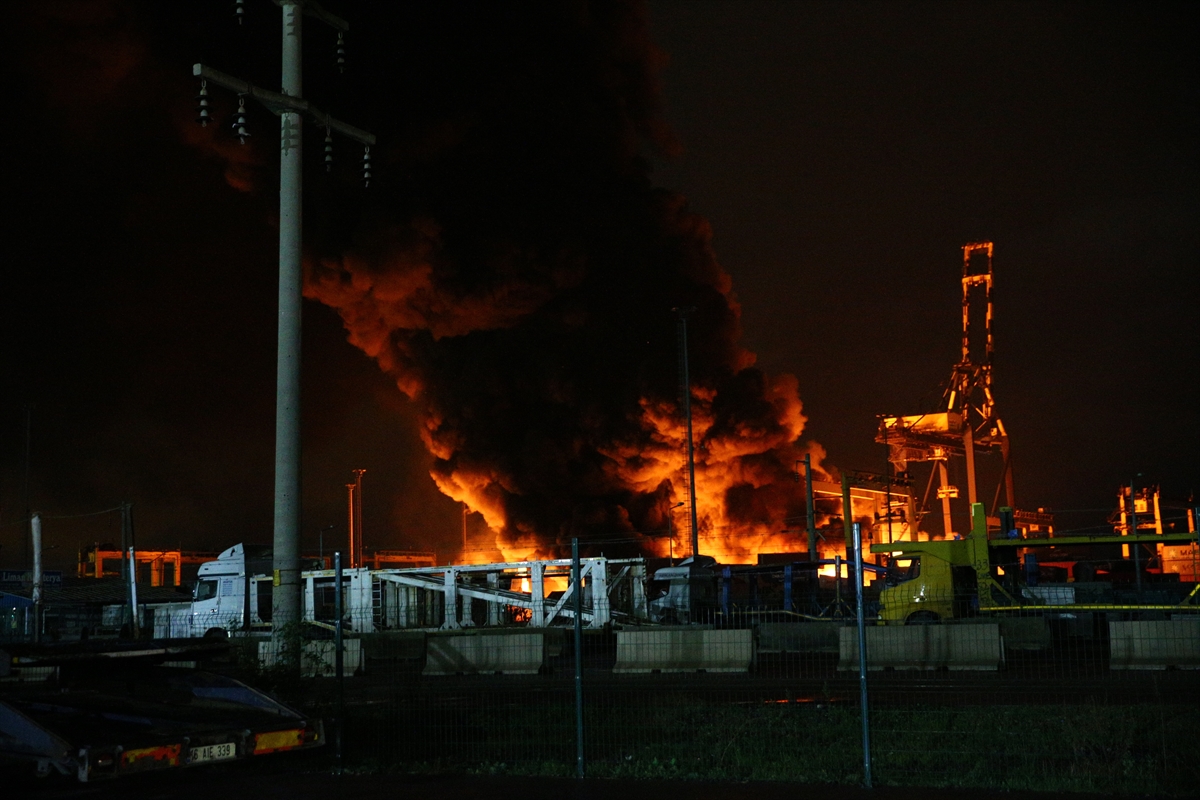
{"x":686,"y":386}
{"x":358,"y":518}
{"x":351,"y":525}
{"x":862,"y":658}
{"x":847,"y":520}
{"x":35,"y":536}
{"x":812,"y":512}
{"x":25,"y":488}
{"x":129,"y":555}
{"x":339,"y":667}
{"x":134,"y":626}
{"x":1135,"y":548}
{"x":576,"y":579}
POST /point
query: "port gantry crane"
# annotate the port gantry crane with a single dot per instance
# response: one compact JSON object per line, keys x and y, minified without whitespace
{"x":966,"y":419}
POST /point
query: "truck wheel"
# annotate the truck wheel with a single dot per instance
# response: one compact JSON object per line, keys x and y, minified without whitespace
{"x":921,"y":618}
{"x":216,"y":633}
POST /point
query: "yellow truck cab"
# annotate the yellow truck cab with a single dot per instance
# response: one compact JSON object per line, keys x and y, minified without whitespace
{"x":932,"y":581}
{"x":951,"y":579}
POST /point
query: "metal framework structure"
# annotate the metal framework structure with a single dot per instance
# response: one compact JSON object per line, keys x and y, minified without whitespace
{"x":966,"y":420}
{"x":424,"y":598}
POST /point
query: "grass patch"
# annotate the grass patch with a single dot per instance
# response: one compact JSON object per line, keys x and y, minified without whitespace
{"x":1135,"y":749}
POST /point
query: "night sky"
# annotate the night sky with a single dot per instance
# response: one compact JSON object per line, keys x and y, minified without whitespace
{"x":842,"y":152}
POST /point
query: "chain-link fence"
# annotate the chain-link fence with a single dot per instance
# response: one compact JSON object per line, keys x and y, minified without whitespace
{"x":948,"y":704}
{"x":753,"y":672}
{"x":1099,"y":697}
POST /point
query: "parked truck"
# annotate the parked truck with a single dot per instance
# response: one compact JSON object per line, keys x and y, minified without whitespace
{"x":233,"y":593}
{"x":996,"y":575}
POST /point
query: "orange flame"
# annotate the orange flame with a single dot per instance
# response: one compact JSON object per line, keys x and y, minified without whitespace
{"x":725,"y":465}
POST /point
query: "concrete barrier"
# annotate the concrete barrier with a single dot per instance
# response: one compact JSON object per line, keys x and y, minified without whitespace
{"x":392,"y":646}
{"x":798,"y":637}
{"x":1154,"y":644}
{"x":471,"y":654}
{"x":956,"y":647}
{"x":684,"y":651}
{"x":317,"y":657}
{"x":1025,"y":633}
{"x":1018,"y":633}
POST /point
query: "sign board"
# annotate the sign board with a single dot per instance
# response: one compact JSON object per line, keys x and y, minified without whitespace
{"x":24,"y":577}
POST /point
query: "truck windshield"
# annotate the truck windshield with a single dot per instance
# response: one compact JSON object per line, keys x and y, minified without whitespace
{"x":903,"y":569}
{"x":206,"y":590}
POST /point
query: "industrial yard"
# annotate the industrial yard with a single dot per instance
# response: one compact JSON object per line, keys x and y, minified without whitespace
{"x":593,"y":398}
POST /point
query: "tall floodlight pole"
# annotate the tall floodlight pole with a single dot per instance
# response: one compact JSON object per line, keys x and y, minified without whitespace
{"x":351,"y":525}
{"x":358,"y":518}
{"x":685,"y":386}
{"x":290,"y":106}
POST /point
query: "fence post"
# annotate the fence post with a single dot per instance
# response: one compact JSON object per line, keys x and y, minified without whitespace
{"x":577,"y":583}
{"x":339,"y":670}
{"x":134,"y":626}
{"x":862,"y":655}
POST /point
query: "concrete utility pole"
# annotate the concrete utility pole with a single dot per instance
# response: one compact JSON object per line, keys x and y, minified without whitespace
{"x":290,"y":106}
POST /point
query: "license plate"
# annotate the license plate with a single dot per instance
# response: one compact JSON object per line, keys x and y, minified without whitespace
{"x":213,"y":752}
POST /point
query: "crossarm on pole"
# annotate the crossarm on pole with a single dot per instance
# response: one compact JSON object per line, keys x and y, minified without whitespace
{"x":278,"y":103}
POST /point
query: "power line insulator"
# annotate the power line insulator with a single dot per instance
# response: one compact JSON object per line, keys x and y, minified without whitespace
{"x":202,"y":113}
{"x":328,"y":151}
{"x":239,"y":10}
{"x":367,"y":166}
{"x":341,"y":52}
{"x":239,"y":125}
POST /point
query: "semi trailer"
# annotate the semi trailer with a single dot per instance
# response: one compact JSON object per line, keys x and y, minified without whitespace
{"x":233,"y":593}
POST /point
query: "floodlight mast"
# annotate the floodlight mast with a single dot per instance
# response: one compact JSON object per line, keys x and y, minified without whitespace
{"x":291,"y":107}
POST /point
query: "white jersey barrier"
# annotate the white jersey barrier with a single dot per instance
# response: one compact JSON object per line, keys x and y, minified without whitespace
{"x":938,"y":646}
{"x":676,"y":650}
{"x":485,"y":653}
{"x":1155,"y":644}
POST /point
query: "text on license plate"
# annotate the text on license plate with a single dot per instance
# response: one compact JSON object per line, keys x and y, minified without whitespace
{"x":213,"y":752}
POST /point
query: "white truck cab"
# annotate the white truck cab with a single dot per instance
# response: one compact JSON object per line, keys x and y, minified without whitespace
{"x":679,"y":592}
{"x":233,"y":592}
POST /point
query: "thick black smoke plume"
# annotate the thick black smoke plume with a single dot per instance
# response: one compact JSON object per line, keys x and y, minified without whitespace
{"x":517,"y":275}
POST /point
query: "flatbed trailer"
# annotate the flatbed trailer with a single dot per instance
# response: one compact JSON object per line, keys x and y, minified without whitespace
{"x":117,"y":718}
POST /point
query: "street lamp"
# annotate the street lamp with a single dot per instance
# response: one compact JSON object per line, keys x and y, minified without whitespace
{"x":321,"y":542}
